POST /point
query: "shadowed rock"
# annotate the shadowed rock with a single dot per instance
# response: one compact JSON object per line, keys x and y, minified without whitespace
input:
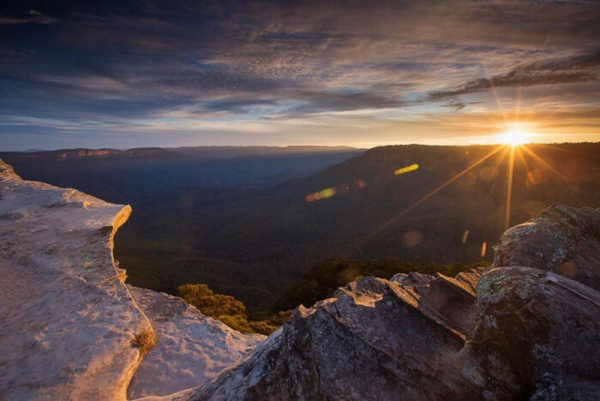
{"x":561,"y":239}
{"x":373,"y":340}
{"x":539,"y":335}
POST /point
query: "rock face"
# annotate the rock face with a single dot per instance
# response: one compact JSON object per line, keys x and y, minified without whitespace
{"x":526,"y":328}
{"x":546,"y":329}
{"x":190,"y":347}
{"x":561,"y":239}
{"x":374,"y":340}
{"x":69,"y":327}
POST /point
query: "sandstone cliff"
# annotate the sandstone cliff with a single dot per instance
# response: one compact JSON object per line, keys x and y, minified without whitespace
{"x":69,"y":327}
{"x":526,"y":328}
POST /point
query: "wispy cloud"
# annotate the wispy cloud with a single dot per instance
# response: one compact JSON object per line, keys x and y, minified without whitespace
{"x":268,"y":61}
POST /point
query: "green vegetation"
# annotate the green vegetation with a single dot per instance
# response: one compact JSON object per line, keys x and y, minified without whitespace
{"x":318,"y":282}
{"x":230,"y":311}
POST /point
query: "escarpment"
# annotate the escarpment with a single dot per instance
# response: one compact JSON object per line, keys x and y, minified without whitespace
{"x":526,"y":328}
{"x":68,"y":322}
{"x":69,"y":326}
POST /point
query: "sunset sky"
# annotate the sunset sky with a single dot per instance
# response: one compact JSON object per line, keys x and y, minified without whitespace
{"x":358,"y":73}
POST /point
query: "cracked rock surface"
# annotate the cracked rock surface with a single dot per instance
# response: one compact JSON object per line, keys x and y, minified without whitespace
{"x":67,"y":322}
{"x":70,"y":329}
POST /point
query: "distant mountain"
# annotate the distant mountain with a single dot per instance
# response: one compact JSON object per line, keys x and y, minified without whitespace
{"x":242,"y":226}
{"x":238,"y":151}
{"x":126,"y":176}
{"x":254,"y":243}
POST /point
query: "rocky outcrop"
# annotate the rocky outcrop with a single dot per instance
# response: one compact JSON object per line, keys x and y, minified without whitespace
{"x":69,"y":327}
{"x":527,"y":328}
{"x":561,"y":239}
{"x":190,"y":347}
{"x":544,"y":329}
{"x":374,"y":340}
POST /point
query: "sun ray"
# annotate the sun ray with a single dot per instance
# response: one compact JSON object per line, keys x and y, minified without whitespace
{"x":522,"y":158}
{"x":432,"y":193}
{"x":498,"y":102}
{"x":544,"y":163}
{"x":511,"y":171}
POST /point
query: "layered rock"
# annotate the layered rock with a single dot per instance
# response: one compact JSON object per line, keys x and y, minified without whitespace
{"x":190,"y":347}
{"x":69,"y":328}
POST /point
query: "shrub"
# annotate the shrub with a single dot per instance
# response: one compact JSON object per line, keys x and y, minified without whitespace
{"x":229,"y":310}
{"x":144,"y":340}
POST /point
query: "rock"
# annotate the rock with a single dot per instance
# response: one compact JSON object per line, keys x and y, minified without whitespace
{"x":68,"y":325}
{"x":449,"y":300}
{"x":373,"y":341}
{"x":561,"y":239}
{"x":70,"y":328}
{"x":539,"y":335}
{"x":190,"y":347}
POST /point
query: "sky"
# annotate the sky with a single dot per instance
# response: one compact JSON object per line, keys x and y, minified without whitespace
{"x":338,"y":72}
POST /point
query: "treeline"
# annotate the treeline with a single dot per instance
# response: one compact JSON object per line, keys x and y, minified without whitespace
{"x":318,"y":282}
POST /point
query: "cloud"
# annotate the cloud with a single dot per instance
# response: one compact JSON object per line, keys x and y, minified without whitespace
{"x":579,"y":68}
{"x":39,"y":18}
{"x":32,"y":16}
{"x":271,"y":60}
{"x":12,"y":21}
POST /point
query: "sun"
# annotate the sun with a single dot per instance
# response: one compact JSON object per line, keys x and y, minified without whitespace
{"x":514,"y":137}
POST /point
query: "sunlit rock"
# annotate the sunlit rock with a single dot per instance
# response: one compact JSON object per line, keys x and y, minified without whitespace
{"x":69,"y":329}
{"x":190,"y":347}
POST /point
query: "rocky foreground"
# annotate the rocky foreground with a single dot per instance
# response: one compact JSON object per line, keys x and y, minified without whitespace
{"x":70,"y":329}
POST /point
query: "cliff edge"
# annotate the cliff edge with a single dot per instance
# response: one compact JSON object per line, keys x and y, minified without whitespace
{"x":70,"y":328}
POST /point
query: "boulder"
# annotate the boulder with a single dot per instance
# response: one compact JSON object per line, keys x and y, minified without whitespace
{"x":375,"y":340}
{"x":561,"y":239}
{"x":539,"y":335}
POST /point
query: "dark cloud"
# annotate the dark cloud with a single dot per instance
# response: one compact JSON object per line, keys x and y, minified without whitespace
{"x":82,"y":61}
{"x":30,"y":16}
{"x":580,"y":68}
{"x":458,"y":105}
